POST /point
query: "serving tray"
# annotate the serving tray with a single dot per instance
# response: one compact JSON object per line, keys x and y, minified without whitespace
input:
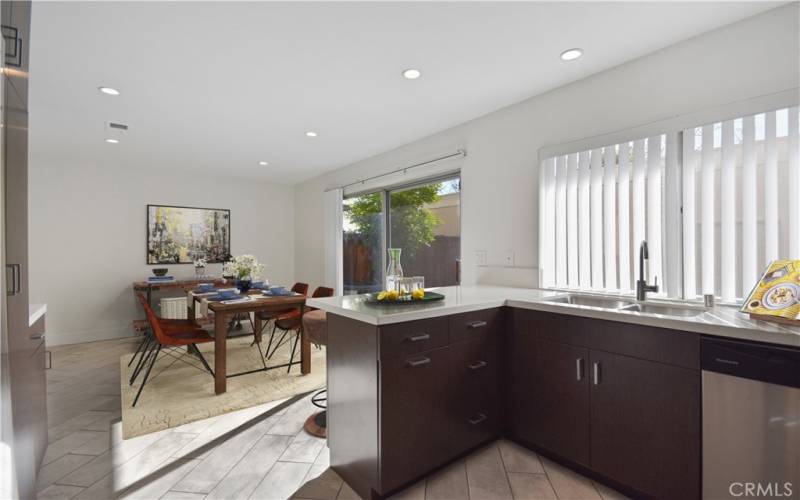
{"x":406,"y":300}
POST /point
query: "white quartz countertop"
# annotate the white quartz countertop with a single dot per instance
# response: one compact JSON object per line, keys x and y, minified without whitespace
{"x":723,"y":321}
{"x":35,"y":311}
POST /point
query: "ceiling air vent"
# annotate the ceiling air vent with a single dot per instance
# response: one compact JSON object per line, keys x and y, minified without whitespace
{"x":117,"y":126}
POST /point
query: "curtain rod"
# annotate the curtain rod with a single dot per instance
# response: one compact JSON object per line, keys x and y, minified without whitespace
{"x":459,"y":152}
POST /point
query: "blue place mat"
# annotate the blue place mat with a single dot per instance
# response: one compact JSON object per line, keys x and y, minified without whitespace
{"x":219,"y":297}
{"x":197,"y":290}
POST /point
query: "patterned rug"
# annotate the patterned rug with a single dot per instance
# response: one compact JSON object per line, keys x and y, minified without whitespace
{"x":177,"y":393}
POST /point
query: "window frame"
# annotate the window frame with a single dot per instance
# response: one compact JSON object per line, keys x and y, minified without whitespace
{"x":386,"y":191}
{"x":672,"y":182}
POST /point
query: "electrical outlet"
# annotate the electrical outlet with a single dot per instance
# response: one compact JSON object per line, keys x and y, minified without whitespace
{"x":508,"y":258}
{"x":480,"y":257}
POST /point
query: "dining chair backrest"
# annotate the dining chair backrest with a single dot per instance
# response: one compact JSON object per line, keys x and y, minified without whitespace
{"x":301,"y":288}
{"x":322,"y":291}
{"x":153,"y":320}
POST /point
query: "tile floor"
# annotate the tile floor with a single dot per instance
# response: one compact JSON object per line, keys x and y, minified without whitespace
{"x":260,"y":453}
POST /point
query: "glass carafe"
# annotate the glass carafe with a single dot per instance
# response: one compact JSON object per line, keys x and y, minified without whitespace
{"x":394,"y":271}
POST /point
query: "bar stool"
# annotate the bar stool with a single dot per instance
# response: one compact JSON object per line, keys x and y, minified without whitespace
{"x":315,"y":326}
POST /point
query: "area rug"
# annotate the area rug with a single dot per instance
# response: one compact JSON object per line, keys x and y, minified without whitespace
{"x":177,"y":393}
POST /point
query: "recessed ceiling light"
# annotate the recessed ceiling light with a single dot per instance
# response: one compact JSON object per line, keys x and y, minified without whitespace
{"x":263,"y":163}
{"x":112,"y":141}
{"x":108,"y":90}
{"x":311,"y":133}
{"x":411,"y":74}
{"x":571,"y":54}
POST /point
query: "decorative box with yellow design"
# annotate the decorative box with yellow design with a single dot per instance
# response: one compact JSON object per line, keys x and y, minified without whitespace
{"x":776,"y":296}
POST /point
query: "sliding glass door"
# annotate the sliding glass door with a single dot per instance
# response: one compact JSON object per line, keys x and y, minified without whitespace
{"x":423,"y":220}
{"x":363,"y":243}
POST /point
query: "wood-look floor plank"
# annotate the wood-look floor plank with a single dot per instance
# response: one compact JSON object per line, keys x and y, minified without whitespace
{"x":530,"y":486}
{"x":449,"y":483}
{"x":519,"y":459}
{"x":486,"y":475}
{"x":282,"y":481}
{"x":58,"y":492}
{"x":569,"y":484}
{"x":245,"y":476}
{"x":223,"y":459}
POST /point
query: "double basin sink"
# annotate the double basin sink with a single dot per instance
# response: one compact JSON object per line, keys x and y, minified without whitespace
{"x":621,"y":304}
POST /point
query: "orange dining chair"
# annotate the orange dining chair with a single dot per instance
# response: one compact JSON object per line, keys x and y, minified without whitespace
{"x":290,"y":322}
{"x":267,"y":316}
{"x":169,"y":334}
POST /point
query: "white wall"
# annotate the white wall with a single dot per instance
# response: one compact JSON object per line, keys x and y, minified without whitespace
{"x":87,"y":238}
{"x":750,"y":58}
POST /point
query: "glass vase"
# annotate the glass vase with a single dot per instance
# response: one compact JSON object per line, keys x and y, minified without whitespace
{"x":243,"y":284}
{"x":394,"y":270}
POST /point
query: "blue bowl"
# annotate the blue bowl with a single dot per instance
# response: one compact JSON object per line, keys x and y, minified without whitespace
{"x":278,"y":290}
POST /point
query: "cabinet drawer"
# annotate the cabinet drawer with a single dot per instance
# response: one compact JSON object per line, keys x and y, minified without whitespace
{"x":471,"y":325}
{"x":413,"y":417}
{"x":403,"y":339}
{"x":476,"y":394}
{"x":572,"y":330}
{"x":647,"y":342}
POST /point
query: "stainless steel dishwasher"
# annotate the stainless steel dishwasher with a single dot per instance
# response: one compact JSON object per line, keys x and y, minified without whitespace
{"x":751,"y":420}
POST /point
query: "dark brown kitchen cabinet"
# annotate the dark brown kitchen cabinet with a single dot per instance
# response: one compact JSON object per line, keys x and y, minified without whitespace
{"x":645,"y":425}
{"x":520,"y":355}
{"x":632,"y":416}
{"x":620,"y":400}
{"x":476,"y":412}
{"x":406,"y":398}
{"x":414,"y":419}
{"x":561,"y":391}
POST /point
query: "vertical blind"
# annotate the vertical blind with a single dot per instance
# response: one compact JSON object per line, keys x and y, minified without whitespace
{"x":715,"y":203}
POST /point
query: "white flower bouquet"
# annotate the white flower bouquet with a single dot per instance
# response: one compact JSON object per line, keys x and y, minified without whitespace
{"x":245,"y":267}
{"x":200,"y":263}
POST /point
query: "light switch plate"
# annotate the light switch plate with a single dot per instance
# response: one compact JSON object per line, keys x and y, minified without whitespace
{"x":508,"y":258}
{"x":480,"y":257}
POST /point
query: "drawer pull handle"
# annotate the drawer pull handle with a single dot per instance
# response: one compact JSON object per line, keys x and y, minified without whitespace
{"x":472,"y":325}
{"x":478,"y":365}
{"x":596,"y":370}
{"x":480,"y":417}
{"x":579,"y":369}
{"x":418,"y":362}
{"x":418,"y":338}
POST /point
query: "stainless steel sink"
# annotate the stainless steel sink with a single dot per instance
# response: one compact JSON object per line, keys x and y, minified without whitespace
{"x":666,"y":310}
{"x":621,"y":304}
{"x":592,"y":301}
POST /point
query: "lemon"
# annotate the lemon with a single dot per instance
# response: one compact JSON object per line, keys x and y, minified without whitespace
{"x":392,"y":295}
{"x":418,"y":294}
{"x":382,"y":295}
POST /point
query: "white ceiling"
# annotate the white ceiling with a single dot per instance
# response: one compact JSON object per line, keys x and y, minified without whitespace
{"x":216,"y":87}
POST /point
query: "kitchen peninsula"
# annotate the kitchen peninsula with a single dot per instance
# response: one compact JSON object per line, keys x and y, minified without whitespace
{"x":604,"y":384}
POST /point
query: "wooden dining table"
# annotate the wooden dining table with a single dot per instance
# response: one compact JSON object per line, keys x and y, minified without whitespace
{"x":260,"y":303}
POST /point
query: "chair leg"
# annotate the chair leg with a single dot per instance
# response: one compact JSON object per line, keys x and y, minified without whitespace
{"x":148,"y":339}
{"x":203,"y":359}
{"x":146,"y":374}
{"x":278,"y":344}
{"x":294,"y":347}
{"x":141,"y":344}
{"x":271,"y":336}
{"x":143,"y":359}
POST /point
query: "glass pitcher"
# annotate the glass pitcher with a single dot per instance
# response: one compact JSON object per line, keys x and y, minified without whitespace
{"x":394,"y":271}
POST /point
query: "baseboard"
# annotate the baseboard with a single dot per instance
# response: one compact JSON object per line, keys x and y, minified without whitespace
{"x":66,"y":338}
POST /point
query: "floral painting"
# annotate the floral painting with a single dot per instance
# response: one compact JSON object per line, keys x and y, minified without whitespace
{"x":182,"y":235}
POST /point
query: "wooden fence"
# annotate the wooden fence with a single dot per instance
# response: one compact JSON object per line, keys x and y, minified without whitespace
{"x":437,"y":262}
